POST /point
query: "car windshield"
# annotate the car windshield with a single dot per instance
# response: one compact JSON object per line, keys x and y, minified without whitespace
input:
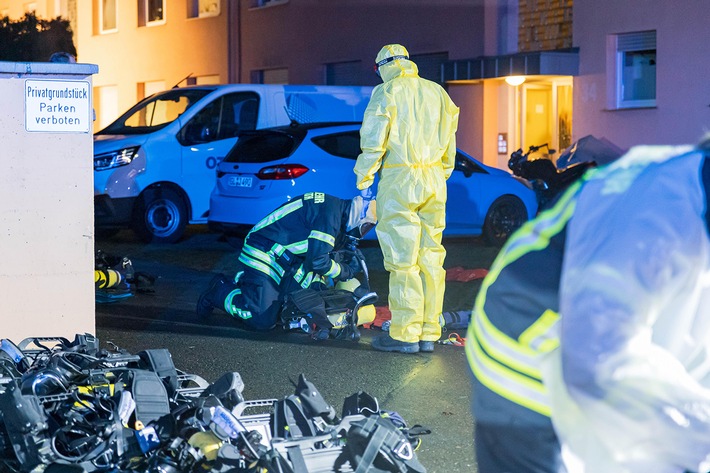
{"x":155,"y":112}
{"x":262,"y":147}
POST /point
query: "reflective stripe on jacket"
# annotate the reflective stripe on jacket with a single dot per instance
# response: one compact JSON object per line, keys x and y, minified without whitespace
{"x":515,"y":318}
{"x":297,"y":238}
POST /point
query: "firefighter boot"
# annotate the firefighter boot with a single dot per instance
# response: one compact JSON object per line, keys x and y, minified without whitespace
{"x":215,"y":295}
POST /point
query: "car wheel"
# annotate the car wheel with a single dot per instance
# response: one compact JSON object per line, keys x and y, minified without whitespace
{"x":505,"y":215}
{"x":160,"y":216}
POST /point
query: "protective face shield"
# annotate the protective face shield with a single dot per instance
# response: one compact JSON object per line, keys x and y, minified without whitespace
{"x":388,"y":54}
{"x":361,"y":218}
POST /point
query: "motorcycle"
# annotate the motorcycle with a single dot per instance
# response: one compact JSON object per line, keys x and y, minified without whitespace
{"x":545,"y":178}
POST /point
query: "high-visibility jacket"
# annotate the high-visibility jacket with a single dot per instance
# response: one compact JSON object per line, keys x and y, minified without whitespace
{"x":514,"y":320}
{"x":296,"y":240}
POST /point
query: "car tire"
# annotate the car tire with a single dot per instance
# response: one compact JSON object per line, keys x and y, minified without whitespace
{"x":160,"y":216}
{"x":505,"y":215}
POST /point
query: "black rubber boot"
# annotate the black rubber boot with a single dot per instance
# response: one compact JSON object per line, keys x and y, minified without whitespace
{"x":217,"y":291}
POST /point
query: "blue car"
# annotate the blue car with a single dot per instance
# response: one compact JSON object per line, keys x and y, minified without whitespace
{"x":271,"y":166}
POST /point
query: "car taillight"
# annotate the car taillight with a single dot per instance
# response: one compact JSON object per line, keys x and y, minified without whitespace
{"x":283,"y":171}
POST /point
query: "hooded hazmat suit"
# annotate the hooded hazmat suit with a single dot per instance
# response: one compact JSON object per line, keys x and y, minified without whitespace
{"x":630,"y":383}
{"x":408,"y":136}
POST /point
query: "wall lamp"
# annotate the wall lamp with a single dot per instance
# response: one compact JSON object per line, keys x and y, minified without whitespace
{"x":514,"y":80}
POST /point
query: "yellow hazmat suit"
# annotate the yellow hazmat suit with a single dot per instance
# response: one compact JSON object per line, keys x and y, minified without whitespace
{"x":408,"y":136}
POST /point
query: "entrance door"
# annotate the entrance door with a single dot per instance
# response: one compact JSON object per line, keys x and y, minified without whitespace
{"x":546,"y":114}
{"x":537,"y":115}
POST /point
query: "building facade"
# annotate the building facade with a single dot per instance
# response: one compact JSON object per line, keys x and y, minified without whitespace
{"x":631,"y":72}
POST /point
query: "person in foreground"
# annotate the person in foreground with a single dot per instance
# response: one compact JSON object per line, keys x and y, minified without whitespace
{"x":408,"y":137}
{"x":630,"y":382}
{"x":514,"y":316}
{"x":290,"y":249}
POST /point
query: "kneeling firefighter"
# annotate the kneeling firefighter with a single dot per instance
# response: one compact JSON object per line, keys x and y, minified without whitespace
{"x":294,"y":247}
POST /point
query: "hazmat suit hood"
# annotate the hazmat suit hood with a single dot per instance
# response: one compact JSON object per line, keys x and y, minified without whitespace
{"x":401,"y":66}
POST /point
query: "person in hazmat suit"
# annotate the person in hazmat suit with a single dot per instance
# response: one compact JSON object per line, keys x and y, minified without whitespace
{"x":408,"y":137}
{"x":630,"y":382}
{"x":513,"y":320}
{"x":294,"y":247}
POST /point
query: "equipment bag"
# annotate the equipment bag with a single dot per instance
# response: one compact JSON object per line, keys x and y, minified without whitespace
{"x":303,"y":414}
{"x":376,"y":445}
{"x":289,"y":420}
{"x":317,"y":306}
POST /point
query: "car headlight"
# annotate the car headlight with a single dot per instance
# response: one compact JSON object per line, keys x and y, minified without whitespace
{"x":115,"y":159}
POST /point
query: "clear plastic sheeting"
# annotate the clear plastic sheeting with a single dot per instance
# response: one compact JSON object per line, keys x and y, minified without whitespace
{"x":630,"y":384}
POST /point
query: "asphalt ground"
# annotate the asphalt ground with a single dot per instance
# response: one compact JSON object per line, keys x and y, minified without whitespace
{"x":427,"y":389}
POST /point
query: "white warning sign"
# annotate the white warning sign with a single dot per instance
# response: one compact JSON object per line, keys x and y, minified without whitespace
{"x":55,"y":106}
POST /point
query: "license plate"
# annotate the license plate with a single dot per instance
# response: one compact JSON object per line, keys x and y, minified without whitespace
{"x":241,"y":181}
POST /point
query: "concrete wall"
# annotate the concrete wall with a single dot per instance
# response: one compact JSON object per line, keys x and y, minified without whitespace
{"x":682,"y":113}
{"x":46,"y":205}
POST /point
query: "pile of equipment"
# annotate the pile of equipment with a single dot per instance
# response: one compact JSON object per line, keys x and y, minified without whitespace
{"x":72,"y":407}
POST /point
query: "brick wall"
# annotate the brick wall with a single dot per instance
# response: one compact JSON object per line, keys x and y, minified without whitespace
{"x":545,"y":25}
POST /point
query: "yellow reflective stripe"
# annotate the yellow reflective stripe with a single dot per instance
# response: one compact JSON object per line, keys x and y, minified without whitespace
{"x":278,"y":214}
{"x":542,"y":336}
{"x":334,"y":270}
{"x":261,"y":267}
{"x":535,"y":234}
{"x":324,"y":237}
{"x":234,"y":310}
{"x":498,"y":361}
{"x":505,"y":382}
{"x":307,"y":280}
{"x":277,"y":249}
{"x":547,"y":224}
{"x":299,"y":274}
{"x":318,"y":278}
{"x":504,"y":349}
{"x":298,"y":248}
{"x":263,"y":257}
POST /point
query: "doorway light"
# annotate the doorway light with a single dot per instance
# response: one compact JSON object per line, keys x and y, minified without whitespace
{"x":514,"y":80}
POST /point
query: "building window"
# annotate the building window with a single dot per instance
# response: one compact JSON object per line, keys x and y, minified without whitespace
{"x":106,"y":105}
{"x":107,"y":15}
{"x":270,"y":76}
{"x":146,"y":89}
{"x":151,"y":12}
{"x":202,"y":8}
{"x":343,"y":73}
{"x":266,"y":3}
{"x":635,"y":57}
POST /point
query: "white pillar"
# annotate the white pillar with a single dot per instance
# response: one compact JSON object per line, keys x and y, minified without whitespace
{"x":46,"y":200}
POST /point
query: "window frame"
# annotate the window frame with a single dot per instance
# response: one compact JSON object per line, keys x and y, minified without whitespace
{"x":620,"y":53}
{"x":193,"y":10}
{"x":146,"y":16}
{"x":101,"y":18}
